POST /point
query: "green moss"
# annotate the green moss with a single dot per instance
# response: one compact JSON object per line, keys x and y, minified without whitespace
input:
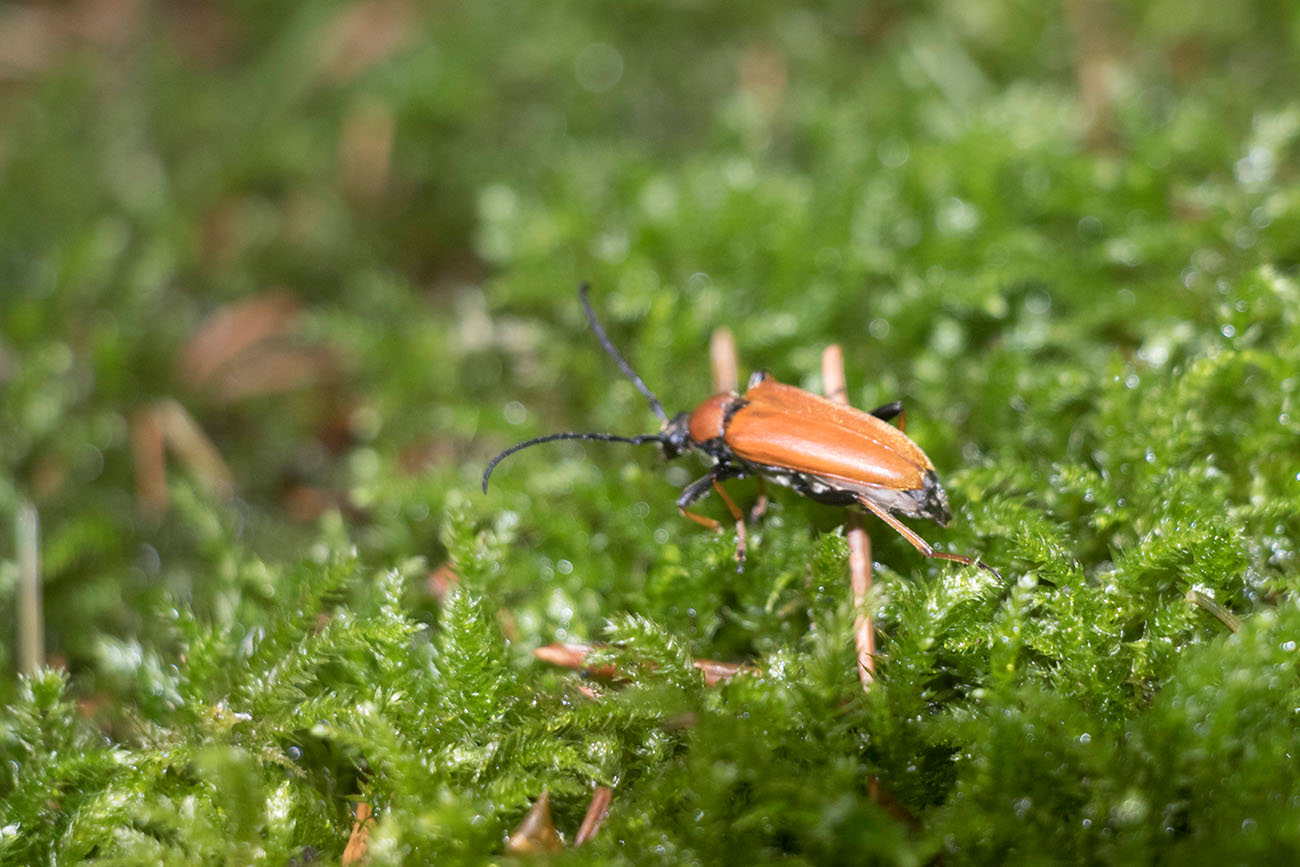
{"x":1089,"y":307}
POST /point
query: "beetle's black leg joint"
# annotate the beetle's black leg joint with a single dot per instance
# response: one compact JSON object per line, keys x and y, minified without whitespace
{"x":696,"y":490}
{"x":701,"y":486}
{"x":888,"y":411}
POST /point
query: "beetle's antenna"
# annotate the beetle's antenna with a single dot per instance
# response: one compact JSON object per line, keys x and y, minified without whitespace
{"x":567,"y":435}
{"x":623,"y":365}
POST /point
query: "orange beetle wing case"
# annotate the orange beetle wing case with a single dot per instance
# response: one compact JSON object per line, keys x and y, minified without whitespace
{"x":786,"y":426}
{"x":826,"y":450}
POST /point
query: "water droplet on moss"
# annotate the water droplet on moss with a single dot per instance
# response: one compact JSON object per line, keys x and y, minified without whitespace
{"x":1088,"y":228}
{"x":598,"y":67}
{"x":893,"y":152}
{"x":956,"y":217}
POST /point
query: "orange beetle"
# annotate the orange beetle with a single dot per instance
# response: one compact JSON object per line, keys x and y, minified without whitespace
{"x":827,"y":451}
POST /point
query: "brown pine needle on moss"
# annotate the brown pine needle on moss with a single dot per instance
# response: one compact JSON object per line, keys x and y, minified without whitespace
{"x":355,"y":851}
{"x":600,"y":801}
{"x":864,"y":635}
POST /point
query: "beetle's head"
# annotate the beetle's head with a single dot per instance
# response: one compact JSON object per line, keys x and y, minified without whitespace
{"x":675,"y":438}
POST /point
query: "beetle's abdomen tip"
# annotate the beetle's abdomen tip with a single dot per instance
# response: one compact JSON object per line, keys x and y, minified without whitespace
{"x":933,"y":501}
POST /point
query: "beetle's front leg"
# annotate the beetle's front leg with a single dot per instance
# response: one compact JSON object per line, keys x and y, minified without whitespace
{"x":694,"y":491}
{"x":698,"y":489}
{"x":739,"y":517}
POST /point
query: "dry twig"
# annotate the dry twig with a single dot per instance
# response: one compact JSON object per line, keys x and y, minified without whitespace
{"x":864,"y":635}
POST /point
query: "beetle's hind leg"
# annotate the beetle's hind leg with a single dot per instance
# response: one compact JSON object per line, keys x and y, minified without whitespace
{"x":698,"y":489}
{"x":920,"y":544}
{"x":893,"y":410}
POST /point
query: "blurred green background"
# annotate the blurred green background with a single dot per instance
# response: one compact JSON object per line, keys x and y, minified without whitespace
{"x":276,"y":280}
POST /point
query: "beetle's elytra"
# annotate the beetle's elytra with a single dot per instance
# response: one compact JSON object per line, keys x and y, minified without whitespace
{"x":824,"y":450}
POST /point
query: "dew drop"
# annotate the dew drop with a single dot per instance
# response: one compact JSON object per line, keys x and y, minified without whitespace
{"x":893,"y":152}
{"x":599,"y":67}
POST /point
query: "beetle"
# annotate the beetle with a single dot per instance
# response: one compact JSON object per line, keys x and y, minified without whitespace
{"x":824,"y":450}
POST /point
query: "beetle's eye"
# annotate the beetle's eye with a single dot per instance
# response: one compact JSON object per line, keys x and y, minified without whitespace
{"x":756,"y":378}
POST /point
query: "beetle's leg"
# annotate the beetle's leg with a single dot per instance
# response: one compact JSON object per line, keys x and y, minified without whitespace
{"x":920,"y":544}
{"x":701,"y":486}
{"x":760,"y":505}
{"x":740,"y":522}
{"x":887,"y":411}
{"x":694,"y":491}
